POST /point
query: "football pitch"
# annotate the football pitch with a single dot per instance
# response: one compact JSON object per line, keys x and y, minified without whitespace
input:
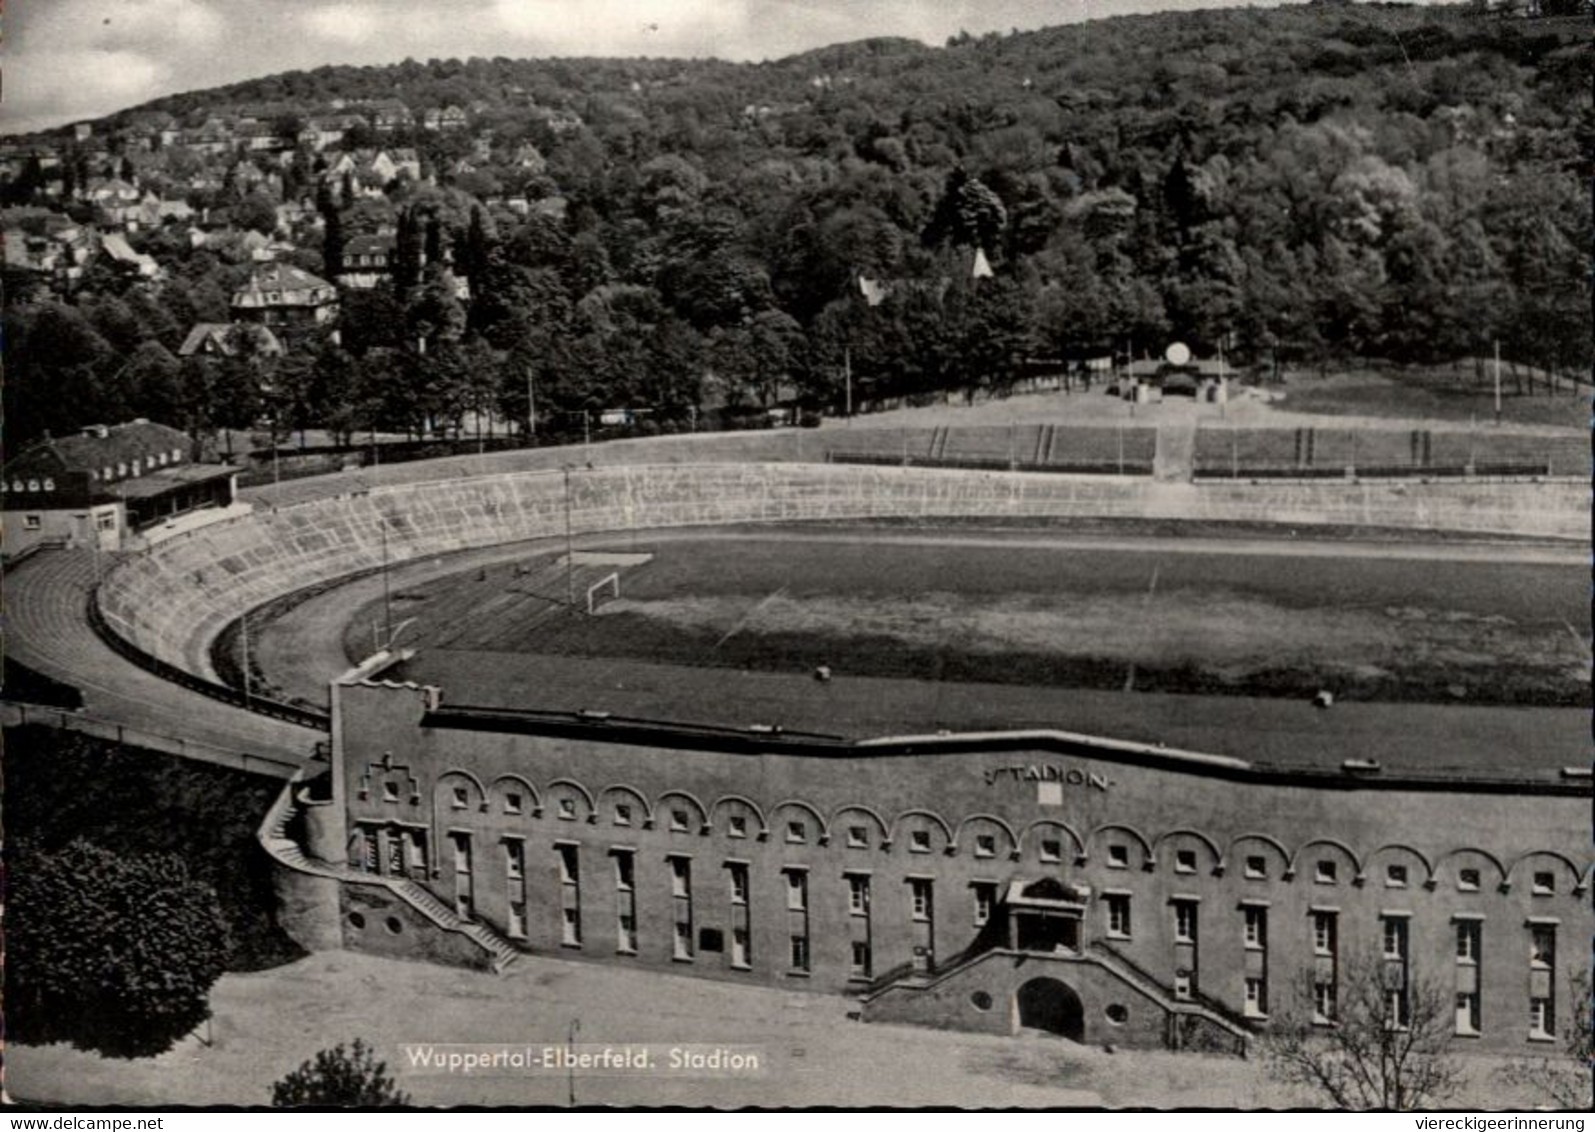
{"x":1184,"y":640}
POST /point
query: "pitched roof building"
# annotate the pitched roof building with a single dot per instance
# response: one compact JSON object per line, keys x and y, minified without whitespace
{"x":104,"y":484}
{"x":279,"y":294}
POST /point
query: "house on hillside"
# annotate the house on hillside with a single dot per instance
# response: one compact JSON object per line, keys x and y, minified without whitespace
{"x":105,"y":485}
{"x":388,"y":115}
{"x":229,"y":340}
{"x":286,"y":298}
{"x":367,"y":260}
{"x":120,"y":256}
{"x":444,"y":118}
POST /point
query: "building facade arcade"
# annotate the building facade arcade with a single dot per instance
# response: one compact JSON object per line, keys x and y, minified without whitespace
{"x":1104,"y":890}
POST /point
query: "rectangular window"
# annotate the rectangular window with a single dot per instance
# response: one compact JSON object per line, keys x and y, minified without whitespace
{"x":857,"y":894}
{"x":569,"y":864}
{"x":985,"y":899}
{"x":679,"y":820}
{"x":739,"y":947}
{"x":622,"y":813}
{"x":1467,"y":1020}
{"x":517,"y":919}
{"x":514,"y":858}
{"x":1324,"y":872}
{"x":1255,"y":927}
{"x":625,"y":870}
{"x":1256,"y":997}
{"x":1324,"y":933}
{"x":1542,"y":946}
{"x":800,"y":953}
{"x":1396,"y":1016}
{"x":1323,"y":1001}
{"x":1185,"y":861}
{"x":390,"y":791}
{"x":461,"y":799}
{"x":1185,"y":921}
{"x":1051,"y":850}
{"x":569,"y":895}
{"x":797,"y":890}
{"x":1396,"y":876}
{"x":1542,"y":1018}
{"x":985,"y":845}
{"x":1469,"y":933}
{"x":737,"y":826}
{"x":795,"y":832}
{"x":512,"y":803}
{"x":1118,"y":857}
{"x":1256,"y":868}
{"x":857,"y":837}
{"x":1118,"y":915}
{"x":1182,"y":985}
{"x":1395,"y":937}
{"x":626,"y":929}
{"x":860,"y":967}
{"x":681,"y":898}
{"x":1544,"y":884}
{"x":919,"y":898}
{"x":567,"y":809}
{"x":737,"y":873}
{"x":1468,"y":880}
{"x":919,"y":841}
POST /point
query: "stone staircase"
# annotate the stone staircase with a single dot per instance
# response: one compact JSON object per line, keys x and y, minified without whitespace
{"x":274,"y":838}
{"x":900,"y":982}
{"x":503,"y":952}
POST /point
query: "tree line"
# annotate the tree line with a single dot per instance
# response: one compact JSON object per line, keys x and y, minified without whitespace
{"x":1301,"y":186}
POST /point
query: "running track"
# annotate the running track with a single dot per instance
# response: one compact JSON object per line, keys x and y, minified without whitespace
{"x":47,"y":630}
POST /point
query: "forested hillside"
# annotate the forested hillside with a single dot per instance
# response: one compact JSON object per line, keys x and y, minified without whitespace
{"x":1302,"y":185}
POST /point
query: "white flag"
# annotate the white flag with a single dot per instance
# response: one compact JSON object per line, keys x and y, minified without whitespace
{"x":982,"y":268}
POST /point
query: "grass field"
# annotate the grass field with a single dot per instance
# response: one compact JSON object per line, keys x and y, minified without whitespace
{"x":1453,"y":395}
{"x":953,"y":607}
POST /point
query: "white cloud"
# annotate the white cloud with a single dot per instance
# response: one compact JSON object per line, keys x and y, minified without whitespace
{"x":343,"y":23}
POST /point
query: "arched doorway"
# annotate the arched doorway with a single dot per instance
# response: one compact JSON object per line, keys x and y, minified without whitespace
{"x":1046,"y":1004}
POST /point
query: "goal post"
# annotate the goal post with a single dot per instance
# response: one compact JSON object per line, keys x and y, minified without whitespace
{"x":595,"y":592}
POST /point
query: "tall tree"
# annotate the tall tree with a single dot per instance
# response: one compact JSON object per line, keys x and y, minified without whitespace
{"x":114,"y":952}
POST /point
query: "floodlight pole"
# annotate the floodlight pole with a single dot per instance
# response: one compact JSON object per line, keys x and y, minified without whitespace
{"x":570,"y":1060}
{"x":570,"y":559}
{"x":1497,"y":381}
{"x":847,"y":377}
{"x":387,"y":594}
{"x":531,"y":406}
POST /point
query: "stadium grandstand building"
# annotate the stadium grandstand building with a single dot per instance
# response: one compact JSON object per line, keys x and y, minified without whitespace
{"x":1110,"y":892}
{"x":107,"y":484}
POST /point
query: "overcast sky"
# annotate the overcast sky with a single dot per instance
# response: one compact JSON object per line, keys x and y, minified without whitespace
{"x":71,"y":59}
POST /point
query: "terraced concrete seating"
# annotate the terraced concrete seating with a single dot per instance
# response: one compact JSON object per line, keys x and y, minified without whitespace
{"x":172,"y":601}
{"x":1030,"y":446}
{"x":1375,"y":452}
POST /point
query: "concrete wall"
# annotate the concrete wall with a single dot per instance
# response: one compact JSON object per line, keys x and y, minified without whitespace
{"x":960,"y":1002}
{"x":308,"y":908}
{"x":175,"y":599}
{"x":1153,"y":809}
{"x":376,"y":921}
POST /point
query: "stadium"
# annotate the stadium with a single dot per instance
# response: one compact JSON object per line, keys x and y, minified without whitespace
{"x":880,"y":716}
